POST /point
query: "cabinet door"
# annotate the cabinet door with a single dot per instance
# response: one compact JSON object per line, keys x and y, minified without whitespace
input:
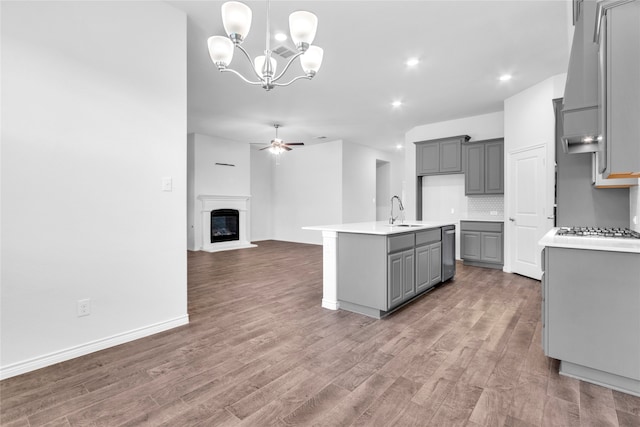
{"x":408,"y":279}
{"x":428,"y":157}
{"x":491,"y":249}
{"x":470,"y":245}
{"x":543,"y":306}
{"x":435,"y":263}
{"x":450,"y":157}
{"x":423,"y":275}
{"x":494,"y":168}
{"x":623,"y":89}
{"x":474,"y":169}
{"x":394,"y":283}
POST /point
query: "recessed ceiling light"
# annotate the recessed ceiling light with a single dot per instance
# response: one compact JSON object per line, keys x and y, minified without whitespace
{"x":396,"y":104}
{"x":412,"y":62}
{"x":504,"y":77}
{"x":280,"y":37}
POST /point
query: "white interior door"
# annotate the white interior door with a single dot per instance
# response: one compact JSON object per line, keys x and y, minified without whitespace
{"x":527,"y":217}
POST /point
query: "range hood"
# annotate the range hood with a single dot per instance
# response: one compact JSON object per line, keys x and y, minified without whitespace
{"x":580,"y":105}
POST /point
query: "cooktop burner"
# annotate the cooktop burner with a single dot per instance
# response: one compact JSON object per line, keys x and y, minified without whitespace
{"x":623,"y":233}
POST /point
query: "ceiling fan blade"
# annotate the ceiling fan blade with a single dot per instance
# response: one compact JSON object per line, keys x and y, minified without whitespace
{"x":265,"y":148}
{"x":294,"y":143}
{"x":287,"y":148}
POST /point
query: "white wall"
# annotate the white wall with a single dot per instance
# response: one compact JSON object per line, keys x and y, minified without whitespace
{"x":261,"y":195}
{"x":94,"y":116}
{"x":210,"y":179}
{"x":528,"y":121}
{"x":480,"y":127}
{"x":328,"y":183}
{"x":383,"y":190}
{"x":359,"y":181}
{"x":307,"y":190}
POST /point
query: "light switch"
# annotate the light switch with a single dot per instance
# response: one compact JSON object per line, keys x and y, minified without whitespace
{"x":167,"y":183}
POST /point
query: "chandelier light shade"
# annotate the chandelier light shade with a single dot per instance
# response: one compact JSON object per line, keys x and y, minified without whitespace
{"x":311,"y":60}
{"x":303,"y":26}
{"x":236,"y":18}
{"x":259,"y":64}
{"x":220,"y":50}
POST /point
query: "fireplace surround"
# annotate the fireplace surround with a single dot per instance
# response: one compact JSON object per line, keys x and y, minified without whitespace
{"x":229,"y":238}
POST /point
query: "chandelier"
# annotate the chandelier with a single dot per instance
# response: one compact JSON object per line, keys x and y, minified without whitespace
{"x":236,"y":18}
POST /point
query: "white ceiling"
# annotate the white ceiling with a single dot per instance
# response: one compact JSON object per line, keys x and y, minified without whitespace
{"x":463,"y":46}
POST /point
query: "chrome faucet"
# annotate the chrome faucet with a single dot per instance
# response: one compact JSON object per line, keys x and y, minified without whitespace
{"x":392,"y":219}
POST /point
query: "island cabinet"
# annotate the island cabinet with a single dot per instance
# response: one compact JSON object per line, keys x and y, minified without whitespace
{"x":483,"y":164}
{"x":374,"y":288}
{"x":440,"y":156}
{"x":481,"y":243}
{"x":401,"y":263}
{"x":428,"y":259}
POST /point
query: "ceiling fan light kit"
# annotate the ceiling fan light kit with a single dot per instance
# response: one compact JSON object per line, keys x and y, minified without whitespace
{"x":278,"y":146}
{"x":236,"y":18}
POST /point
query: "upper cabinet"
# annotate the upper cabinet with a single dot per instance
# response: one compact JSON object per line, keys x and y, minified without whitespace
{"x":440,"y":156}
{"x":617,"y":33}
{"x":483,"y":163}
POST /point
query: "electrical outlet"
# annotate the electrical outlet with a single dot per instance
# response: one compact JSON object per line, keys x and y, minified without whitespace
{"x":84,"y":307}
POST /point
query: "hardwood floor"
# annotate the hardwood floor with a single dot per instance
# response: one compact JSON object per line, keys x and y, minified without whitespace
{"x":261,"y":351}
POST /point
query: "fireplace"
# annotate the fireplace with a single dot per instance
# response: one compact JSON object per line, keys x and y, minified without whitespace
{"x":225,"y":225}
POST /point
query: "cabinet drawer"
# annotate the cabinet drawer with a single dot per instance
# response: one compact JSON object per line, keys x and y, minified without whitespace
{"x":401,"y":242}
{"x":495,"y":227}
{"x":428,"y":236}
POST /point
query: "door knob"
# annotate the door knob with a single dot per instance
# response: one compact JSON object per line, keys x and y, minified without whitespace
{"x":512,"y":219}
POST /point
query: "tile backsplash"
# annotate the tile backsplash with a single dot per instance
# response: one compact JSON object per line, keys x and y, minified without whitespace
{"x":483,"y":205}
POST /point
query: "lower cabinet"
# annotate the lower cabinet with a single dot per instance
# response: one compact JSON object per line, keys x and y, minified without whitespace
{"x":401,"y":280}
{"x":481,"y":243}
{"x":366,"y":284}
{"x":590,"y":315}
{"x":428,"y":266}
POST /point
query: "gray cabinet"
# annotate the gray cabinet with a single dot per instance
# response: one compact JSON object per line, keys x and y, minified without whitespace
{"x":483,"y":164}
{"x":619,"y":88}
{"x":428,"y":260}
{"x":368,"y":285}
{"x":440,"y":156}
{"x":401,"y":283}
{"x":481,"y":243}
{"x":590,"y":316}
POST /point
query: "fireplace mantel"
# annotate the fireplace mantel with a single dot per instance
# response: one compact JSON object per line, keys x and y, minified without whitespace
{"x":213,"y":202}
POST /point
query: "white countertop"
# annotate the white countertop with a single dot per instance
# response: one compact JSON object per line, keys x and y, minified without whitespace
{"x":379,"y":227}
{"x":610,"y":244}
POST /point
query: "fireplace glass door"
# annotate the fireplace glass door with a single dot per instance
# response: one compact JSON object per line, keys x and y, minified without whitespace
{"x":225,"y":225}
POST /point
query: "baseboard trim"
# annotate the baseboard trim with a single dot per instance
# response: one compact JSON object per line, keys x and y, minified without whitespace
{"x":90,"y":347}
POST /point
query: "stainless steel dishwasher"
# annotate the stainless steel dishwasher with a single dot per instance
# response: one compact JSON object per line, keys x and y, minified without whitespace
{"x":448,"y":252}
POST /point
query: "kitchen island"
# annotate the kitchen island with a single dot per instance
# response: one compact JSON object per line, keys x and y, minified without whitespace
{"x":373,"y":268}
{"x":591,"y":308}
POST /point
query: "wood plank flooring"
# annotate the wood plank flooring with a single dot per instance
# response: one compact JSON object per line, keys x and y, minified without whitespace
{"x":261,"y":351}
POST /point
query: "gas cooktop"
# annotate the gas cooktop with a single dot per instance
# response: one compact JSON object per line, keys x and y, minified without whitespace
{"x":623,"y":233}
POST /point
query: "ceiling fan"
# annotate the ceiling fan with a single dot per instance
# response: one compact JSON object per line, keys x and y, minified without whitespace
{"x":278,"y":146}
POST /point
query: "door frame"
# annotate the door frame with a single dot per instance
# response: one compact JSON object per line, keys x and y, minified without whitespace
{"x":549,"y":166}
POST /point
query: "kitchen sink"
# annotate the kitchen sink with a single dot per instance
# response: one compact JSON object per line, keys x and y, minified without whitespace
{"x":404,"y":225}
